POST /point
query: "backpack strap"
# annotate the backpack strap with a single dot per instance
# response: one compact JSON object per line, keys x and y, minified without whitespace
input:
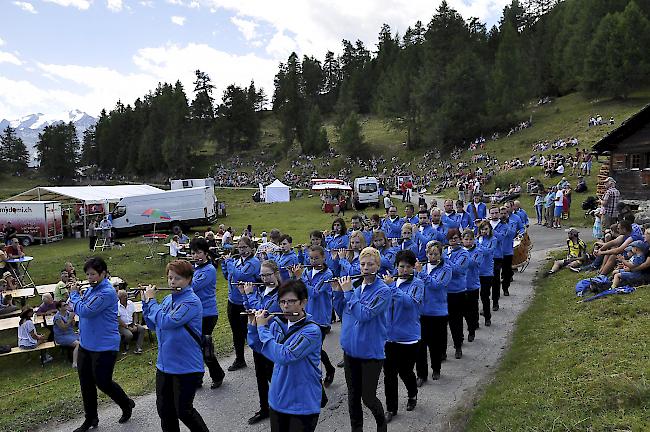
{"x":194,"y":336}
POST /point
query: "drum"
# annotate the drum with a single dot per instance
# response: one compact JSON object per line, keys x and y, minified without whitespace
{"x":521,"y":255}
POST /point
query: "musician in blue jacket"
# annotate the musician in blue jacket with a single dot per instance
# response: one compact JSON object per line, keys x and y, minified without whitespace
{"x":293,"y":344}
{"x":286,"y":257}
{"x":363,"y":336}
{"x":179,"y":366}
{"x":458,"y":258}
{"x":515,"y":227}
{"x":499,"y":231}
{"x":99,"y":341}
{"x":476,"y":258}
{"x":264,"y":297}
{"x":357,"y":225}
{"x":407,"y":241}
{"x":392,"y":223}
{"x":204,"y":285}
{"x":345,"y":262}
{"x":488,"y":243}
{"x":410,"y":216}
{"x":477,"y":209}
{"x":425,"y":233}
{"x":403,"y":320}
{"x":338,"y":238}
{"x":433,"y":315}
{"x":464,"y":219}
{"x":316,"y":238}
{"x":319,"y":304}
{"x":246,"y":268}
{"x":387,"y":253}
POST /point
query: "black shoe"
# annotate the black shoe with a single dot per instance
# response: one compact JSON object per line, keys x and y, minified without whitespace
{"x":443,"y":357}
{"x":87,"y":424}
{"x":389,"y":416}
{"x":459,"y":353}
{"x":411,"y":404}
{"x":237,"y":365}
{"x":126,"y":413}
{"x":470,"y":337}
{"x":488,"y":322}
{"x":506,"y":292}
{"x":329,"y":378}
{"x":341,"y":363}
{"x":495,"y":307}
{"x":435,"y":376}
{"x":217,"y":382}
{"x":420,"y":381}
{"x":258,"y":417}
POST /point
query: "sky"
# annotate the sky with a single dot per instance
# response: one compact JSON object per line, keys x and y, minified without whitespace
{"x":59,"y":55}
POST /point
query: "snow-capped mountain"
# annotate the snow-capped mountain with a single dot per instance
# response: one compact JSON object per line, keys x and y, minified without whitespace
{"x":28,"y":127}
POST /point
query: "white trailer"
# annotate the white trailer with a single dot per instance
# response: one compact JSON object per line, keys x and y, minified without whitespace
{"x":40,"y":221}
{"x":186,"y":207}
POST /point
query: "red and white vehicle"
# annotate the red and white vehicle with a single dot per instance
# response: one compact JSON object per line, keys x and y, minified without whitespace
{"x":40,"y":221}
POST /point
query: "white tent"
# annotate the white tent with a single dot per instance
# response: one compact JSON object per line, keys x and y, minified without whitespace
{"x":84,"y":194}
{"x":277,"y":192}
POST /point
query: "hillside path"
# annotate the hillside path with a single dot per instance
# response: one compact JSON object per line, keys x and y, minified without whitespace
{"x":228,"y":408}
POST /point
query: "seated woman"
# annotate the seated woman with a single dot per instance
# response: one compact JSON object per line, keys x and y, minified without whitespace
{"x":64,"y":333}
{"x":576,"y":253}
{"x":175,"y":248}
{"x":27,"y":336}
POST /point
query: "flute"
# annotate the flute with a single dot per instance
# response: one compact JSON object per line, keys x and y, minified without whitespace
{"x":252,"y":283}
{"x":343,"y":249}
{"x":351,"y":277}
{"x":144,"y":288}
{"x":272,"y":313}
{"x":305,"y":266}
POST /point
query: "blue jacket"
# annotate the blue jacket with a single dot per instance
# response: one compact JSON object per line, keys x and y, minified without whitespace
{"x":481,"y":209}
{"x":422,"y":238}
{"x":441,"y":229}
{"x":487,"y":246}
{"x":257,"y":300}
{"x":367,"y":235}
{"x":295,"y":353}
{"x":451,"y":221}
{"x":235,"y":271}
{"x":509,"y":234}
{"x":337,"y":242}
{"x":393,"y":229}
{"x":521,"y":213}
{"x":204,"y":285}
{"x":178,"y":351}
{"x":97,"y":310}
{"x":434,"y":298}
{"x":476,"y":258}
{"x":413,"y":220}
{"x":458,"y":259}
{"x":319,"y":303}
{"x":403,"y":313}
{"x":285,"y":260}
{"x":387,"y":264}
{"x":499,"y":232}
{"x":342,"y":267}
{"x":409,"y":244}
{"x":364,"y":332}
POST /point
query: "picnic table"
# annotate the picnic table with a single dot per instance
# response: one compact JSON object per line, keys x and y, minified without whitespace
{"x":20,"y":293}
{"x":152,"y":240}
{"x":45,"y":289}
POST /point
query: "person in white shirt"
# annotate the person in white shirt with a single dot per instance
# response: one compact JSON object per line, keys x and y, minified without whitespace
{"x":557,"y":215}
{"x":175,"y":248}
{"x":27,"y":336}
{"x":127,"y":326}
{"x":388,"y":203}
{"x":560,"y":169}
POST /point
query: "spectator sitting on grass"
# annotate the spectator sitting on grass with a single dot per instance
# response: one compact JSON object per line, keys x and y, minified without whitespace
{"x":633,"y":271}
{"x":615,"y":247}
{"x":576,"y":253}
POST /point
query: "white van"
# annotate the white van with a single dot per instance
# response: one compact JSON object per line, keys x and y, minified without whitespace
{"x":366,"y":191}
{"x":186,"y":207}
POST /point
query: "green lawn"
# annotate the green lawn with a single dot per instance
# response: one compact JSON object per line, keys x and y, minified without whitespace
{"x":572,"y":367}
{"x":23,"y":408}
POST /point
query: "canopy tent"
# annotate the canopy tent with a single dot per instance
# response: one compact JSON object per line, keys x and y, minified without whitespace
{"x":276,"y":192}
{"x":330,"y":186}
{"x":84,"y":194}
{"x":83,"y":201}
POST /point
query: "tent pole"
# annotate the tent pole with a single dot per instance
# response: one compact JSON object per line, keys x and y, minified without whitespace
{"x":85,"y":233}
{"x":38,"y":191}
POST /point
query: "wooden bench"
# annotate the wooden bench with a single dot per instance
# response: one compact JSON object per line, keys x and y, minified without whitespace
{"x":45,"y":289}
{"x":41,"y":347}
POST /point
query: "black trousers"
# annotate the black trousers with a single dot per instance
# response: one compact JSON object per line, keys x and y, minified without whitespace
{"x":506,"y":272}
{"x":175,"y":401}
{"x":470,"y":310}
{"x":91,"y":242}
{"x":496,"y":281}
{"x":400,"y":360}
{"x":239,"y":327}
{"x":362,"y":378}
{"x":207,"y":326}
{"x":281,"y":422}
{"x":486,"y":290}
{"x":263,"y":374}
{"x":323,"y":355}
{"x":455,"y":306}
{"x":95,"y":369}
{"x":434,"y":337}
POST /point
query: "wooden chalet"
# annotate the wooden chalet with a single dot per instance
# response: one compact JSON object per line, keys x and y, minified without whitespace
{"x":628,"y":148}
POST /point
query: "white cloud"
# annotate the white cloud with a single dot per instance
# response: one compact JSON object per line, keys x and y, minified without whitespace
{"x":178,"y":20}
{"x":7,"y":57}
{"x":246,"y":27}
{"x":79,"y":4}
{"x":114,"y":5}
{"x":2,"y":42}
{"x":193,"y":4}
{"x":26,"y":6}
{"x":281,"y":45}
{"x":146,"y":3}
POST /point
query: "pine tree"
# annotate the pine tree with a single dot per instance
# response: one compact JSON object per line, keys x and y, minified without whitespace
{"x":288,"y":101}
{"x":58,"y":151}
{"x":202,"y":108}
{"x":88,"y":147}
{"x":351,"y":139}
{"x":14,"y":156}
{"x":315,"y":141}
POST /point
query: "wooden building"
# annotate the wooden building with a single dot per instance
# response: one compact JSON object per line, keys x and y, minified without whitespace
{"x":628,"y":148}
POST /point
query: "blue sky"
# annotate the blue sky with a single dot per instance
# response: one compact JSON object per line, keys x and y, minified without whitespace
{"x":58,"y":55}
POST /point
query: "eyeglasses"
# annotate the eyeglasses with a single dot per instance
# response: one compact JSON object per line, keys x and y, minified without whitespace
{"x":288,"y":302}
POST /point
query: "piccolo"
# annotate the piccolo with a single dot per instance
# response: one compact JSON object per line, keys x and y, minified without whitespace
{"x":351,"y":277}
{"x":272,"y":313}
{"x":305,"y":266}
{"x":342,"y":249}
{"x":252,"y":283}
{"x":144,"y":288}
{"x":399,"y":238}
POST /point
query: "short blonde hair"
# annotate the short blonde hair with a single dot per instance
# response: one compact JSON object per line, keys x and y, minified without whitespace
{"x":371,"y":252}
{"x":407,"y":226}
